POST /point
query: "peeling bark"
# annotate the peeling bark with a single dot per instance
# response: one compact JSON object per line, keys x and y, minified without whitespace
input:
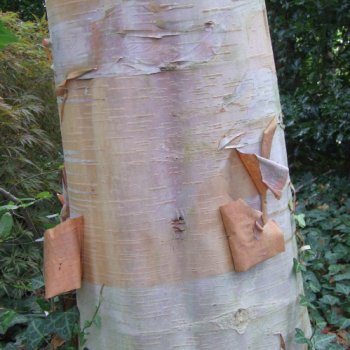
{"x":141,"y":136}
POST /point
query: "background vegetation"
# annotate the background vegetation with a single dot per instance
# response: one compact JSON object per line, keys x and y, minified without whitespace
{"x":26,"y":9}
{"x":311,"y":45}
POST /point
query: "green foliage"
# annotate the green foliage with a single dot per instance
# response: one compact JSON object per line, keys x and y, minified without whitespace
{"x":56,"y":323}
{"x":326,"y":267}
{"x":30,"y":163}
{"x":20,"y":255}
{"x":311,"y":44}
{"x":26,"y":318}
{"x":29,"y":125}
{"x":95,"y":321}
{"x":6,"y":37}
{"x":27,"y":9}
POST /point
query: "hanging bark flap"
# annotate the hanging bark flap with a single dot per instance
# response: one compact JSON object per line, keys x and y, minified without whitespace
{"x":62,"y":257}
{"x":250,"y":243}
{"x":268,"y":134}
{"x":62,"y":87}
{"x":265,"y":173}
{"x":251,"y":163}
{"x":274,"y":175}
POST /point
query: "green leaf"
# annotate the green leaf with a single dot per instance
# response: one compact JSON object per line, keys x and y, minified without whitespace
{"x":300,"y":337}
{"x":62,"y":323}
{"x":342,"y":277}
{"x":305,"y":302}
{"x":300,"y":220}
{"x":36,"y":333}
{"x":6,"y":319}
{"x":9,"y":319}
{"x":312,"y":282}
{"x":8,"y":207}
{"x":43,"y":304}
{"x":6,"y":224}
{"x":318,"y":319}
{"x":329,"y":300}
{"x":343,"y":323}
{"x":342,"y":288}
{"x":335,"y":347}
{"x":323,"y":341}
{"x":98,"y":321}
{"x":334,"y":269}
{"x":297,"y":266}
{"x":44,"y":195}
{"x":6,"y":37}
{"x":38,"y":282}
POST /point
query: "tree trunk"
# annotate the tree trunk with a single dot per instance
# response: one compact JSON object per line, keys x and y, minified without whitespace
{"x":141,"y":135}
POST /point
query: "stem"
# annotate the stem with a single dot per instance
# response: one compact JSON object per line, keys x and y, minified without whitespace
{"x":263,"y":198}
{"x":26,"y":216}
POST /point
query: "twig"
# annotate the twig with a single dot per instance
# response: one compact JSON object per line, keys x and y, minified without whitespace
{"x":26,"y":216}
{"x":9,"y":195}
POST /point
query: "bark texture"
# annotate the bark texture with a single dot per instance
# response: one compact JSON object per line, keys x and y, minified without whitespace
{"x":141,"y":135}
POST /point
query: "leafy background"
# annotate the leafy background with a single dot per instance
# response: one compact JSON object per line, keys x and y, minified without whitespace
{"x":311,"y":46}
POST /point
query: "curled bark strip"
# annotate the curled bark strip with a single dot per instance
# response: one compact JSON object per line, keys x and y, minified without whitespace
{"x":275,"y":176}
{"x":251,"y":163}
{"x":249,"y":245}
{"x":268,"y":134}
{"x":63,"y":198}
{"x":62,"y":89}
{"x":283,"y":343}
{"x":265,"y":173}
{"x":226,"y":141}
{"x":294,"y":194}
{"x":304,"y":248}
{"x":62,"y":257}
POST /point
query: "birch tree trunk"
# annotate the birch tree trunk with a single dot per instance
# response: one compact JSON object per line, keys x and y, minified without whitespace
{"x":141,"y":135}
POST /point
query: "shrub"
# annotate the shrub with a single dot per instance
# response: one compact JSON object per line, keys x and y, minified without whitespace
{"x":311,"y":45}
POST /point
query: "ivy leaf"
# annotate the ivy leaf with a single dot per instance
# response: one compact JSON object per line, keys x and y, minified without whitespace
{"x":312,"y":281}
{"x":300,"y":337}
{"x":323,"y":341}
{"x":342,"y":277}
{"x":334,"y":269}
{"x":98,"y":321}
{"x":344,"y":323}
{"x":329,"y":300}
{"x":318,"y":319}
{"x":335,"y":347}
{"x":36,"y":333}
{"x":297,"y":266}
{"x":38,"y":282}
{"x":300,"y":220}
{"x":305,"y":302}
{"x":6,"y":224}
{"x":62,"y":323}
{"x":9,"y":319}
{"x":342,"y":288}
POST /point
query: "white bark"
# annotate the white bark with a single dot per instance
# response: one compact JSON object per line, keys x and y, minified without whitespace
{"x":141,"y":137}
